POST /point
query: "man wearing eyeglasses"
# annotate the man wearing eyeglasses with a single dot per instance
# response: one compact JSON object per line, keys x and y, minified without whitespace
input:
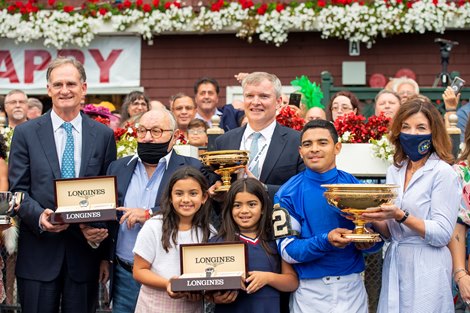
{"x":141,"y":180}
{"x":16,"y":107}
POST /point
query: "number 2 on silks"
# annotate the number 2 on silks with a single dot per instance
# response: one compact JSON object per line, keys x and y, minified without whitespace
{"x":281,"y":223}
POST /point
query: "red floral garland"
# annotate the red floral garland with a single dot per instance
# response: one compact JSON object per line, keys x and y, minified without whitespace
{"x":362,"y":131}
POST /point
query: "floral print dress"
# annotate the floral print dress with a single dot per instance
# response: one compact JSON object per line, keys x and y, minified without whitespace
{"x":463,"y":170}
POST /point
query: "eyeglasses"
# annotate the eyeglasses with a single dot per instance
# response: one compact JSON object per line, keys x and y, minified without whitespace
{"x":155,"y":132}
{"x":344,"y":108}
{"x":196,"y":131}
{"x":16,"y":101}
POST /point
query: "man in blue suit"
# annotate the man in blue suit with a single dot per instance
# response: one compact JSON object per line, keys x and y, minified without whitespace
{"x":274,"y":156}
{"x":141,"y":180}
{"x":58,"y":265}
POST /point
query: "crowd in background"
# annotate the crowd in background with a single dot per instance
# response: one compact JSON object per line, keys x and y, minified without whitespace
{"x":166,"y":199}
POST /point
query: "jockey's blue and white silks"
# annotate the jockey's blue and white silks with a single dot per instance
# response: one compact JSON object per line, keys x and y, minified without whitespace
{"x":308,"y":214}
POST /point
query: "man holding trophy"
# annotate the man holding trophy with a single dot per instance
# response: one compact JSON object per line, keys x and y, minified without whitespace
{"x":310,"y":232}
{"x":272,"y":146}
{"x":58,"y":264}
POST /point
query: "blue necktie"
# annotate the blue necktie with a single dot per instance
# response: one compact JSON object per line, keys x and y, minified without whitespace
{"x":67,"y":170}
{"x":253,"y":153}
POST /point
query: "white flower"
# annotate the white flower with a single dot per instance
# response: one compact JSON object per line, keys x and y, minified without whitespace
{"x":354,"y":22}
{"x":383,"y":149}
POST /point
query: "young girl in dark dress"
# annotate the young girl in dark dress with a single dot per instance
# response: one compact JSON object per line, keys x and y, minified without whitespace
{"x":246,"y":217}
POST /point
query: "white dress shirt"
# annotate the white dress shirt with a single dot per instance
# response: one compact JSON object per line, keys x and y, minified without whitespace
{"x":263,"y":142}
{"x":60,"y":137}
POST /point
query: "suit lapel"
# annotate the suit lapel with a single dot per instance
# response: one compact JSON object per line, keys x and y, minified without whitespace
{"x":88,"y":142}
{"x":124,"y":178}
{"x":47,"y":141}
{"x":234,"y":143}
{"x":278,"y":142}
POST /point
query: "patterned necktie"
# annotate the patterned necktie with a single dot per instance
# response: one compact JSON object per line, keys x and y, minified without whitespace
{"x":253,"y":153}
{"x":67,"y":170}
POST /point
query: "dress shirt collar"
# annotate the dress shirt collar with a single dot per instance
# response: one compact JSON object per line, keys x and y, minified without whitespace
{"x":57,"y":122}
{"x":266,"y":132}
{"x":429,"y":165}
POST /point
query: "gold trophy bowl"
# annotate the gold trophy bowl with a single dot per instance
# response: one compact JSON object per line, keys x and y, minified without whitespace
{"x":354,"y":199}
{"x":225,"y":163}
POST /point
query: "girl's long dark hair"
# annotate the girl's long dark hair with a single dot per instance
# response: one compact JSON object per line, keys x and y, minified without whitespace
{"x":229,"y":230}
{"x":171,"y":219}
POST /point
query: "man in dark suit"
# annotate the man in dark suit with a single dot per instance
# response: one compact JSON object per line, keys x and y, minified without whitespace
{"x":141,"y":180}
{"x":274,"y":156}
{"x":58,"y":265}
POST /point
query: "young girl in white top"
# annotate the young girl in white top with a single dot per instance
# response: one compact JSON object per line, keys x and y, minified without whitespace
{"x":183,"y":219}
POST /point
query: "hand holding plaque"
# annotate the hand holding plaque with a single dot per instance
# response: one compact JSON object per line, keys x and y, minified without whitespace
{"x":84,"y":200}
{"x":211,"y":266}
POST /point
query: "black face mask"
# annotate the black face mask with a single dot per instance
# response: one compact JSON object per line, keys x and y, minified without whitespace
{"x":151,"y":153}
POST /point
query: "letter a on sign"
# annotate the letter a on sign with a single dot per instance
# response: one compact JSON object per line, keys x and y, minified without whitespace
{"x":354,"y":48}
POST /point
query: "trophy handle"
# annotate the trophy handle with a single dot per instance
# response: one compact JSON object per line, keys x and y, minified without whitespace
{"x":16,"y":200}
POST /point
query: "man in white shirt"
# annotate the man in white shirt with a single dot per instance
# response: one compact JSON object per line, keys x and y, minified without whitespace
{"x":273,"y":148}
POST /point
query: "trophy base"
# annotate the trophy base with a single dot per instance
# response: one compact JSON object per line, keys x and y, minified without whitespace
{"x":363,"y":237}
{"x":222,"y":188}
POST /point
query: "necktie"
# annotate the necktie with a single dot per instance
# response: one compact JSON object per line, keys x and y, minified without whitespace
{"x":253,"y":152}
{"x":67,"y":170}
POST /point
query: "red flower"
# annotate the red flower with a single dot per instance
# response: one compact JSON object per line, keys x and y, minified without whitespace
{"x":290,"y":118}
{"x":435,"y":2}
{"x":156,"y":3}
{"x":68,"y":8}
{"x":177,"y":4}
{"x":139,"y":3}
{"x":280,"y":7}
{"x":168,"y":5}
{"x":409,"y":5}
{"x":182,"y":139}
{"x":11,"y":8}
{"x":246,"y":4}
{"x":362,"y":132}
{"x":118,"y":132}
{"x":262,"y":9}
{"x":146,"y":7}
{"x":127,"y":4}
{"x":51,"y":2}
{"x":102,"y":120}
{"x":215,"y":7}
{"x":321,"y":3}
{"x":120,"y":6}
{"x":103,"y":11}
